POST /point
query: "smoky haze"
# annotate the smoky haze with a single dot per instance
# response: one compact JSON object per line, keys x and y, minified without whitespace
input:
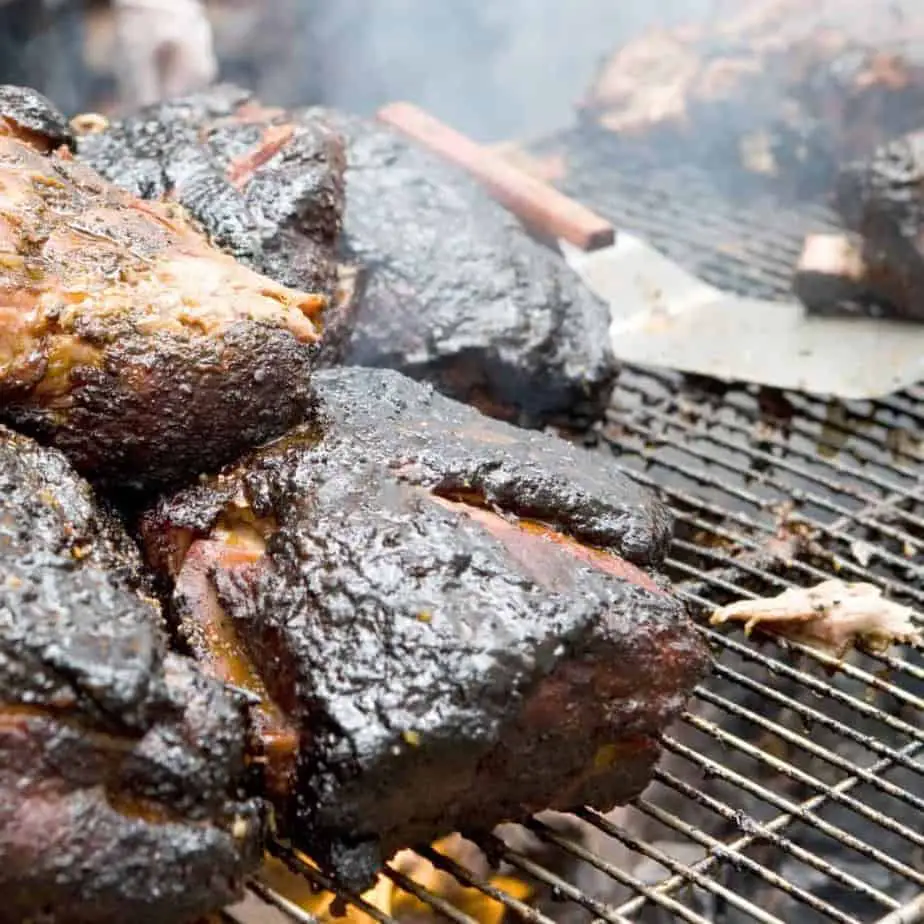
{"x":500,"y":69}
{"x":493,"y":68}
{"x":496,"y":69}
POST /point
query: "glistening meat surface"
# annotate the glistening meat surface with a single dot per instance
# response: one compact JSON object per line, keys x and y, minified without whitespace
{"x":450,"y":622}
{"x":438,"y":280}
{"x":126,"y":339}
{"x":451,"y":289}
{"x":120,"y":765}
{"x":267,"y":186}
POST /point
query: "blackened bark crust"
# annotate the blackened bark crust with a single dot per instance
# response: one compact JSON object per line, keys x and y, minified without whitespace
{"x":439,"y":678}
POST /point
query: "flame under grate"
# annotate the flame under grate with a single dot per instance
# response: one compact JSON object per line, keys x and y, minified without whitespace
{"x":794,"y":786}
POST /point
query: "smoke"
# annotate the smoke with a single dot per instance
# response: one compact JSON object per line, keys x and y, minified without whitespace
{"x":496,"y":69}
{"x":493,"y":68}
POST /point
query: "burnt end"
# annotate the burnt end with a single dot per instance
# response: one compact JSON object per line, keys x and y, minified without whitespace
{"x":121,"y":767}
{"x":444,"y":607}
{"x":156,"y":414}
{"x":882,"y":199}
{"x":265,"y":187}
{"x":453,"y":290}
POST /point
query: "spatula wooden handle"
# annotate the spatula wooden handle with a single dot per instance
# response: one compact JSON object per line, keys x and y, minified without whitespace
{"x":536,"y":203}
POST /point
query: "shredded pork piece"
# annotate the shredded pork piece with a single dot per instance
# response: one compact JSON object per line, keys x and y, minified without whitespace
{"x":832,"y":617}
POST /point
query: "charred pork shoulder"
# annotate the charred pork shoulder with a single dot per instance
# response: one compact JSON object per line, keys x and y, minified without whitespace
{"x":120,"y":764}
{"x":265,"y":185}
{"x":774,"y":93}
{"x":450,"y":622}
{"x":437,"y":280}
{"x":126,"y":339}
{"x":462,"y":297}
{"x":882,"y":200}
{"x":878,"y":269}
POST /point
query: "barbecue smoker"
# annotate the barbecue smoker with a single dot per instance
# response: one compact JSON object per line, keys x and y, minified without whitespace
{"x":793,"y":788}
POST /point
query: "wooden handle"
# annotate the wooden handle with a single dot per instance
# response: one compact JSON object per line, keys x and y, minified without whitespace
{"x":536,"y":203}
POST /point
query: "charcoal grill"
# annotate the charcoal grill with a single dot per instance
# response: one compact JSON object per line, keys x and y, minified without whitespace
{"x":793,"y":788}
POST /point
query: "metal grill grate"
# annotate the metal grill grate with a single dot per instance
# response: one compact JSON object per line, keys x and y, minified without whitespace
{"x":793,"y":788}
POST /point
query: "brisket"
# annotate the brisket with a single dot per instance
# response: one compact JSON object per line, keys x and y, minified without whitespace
{"x":771,"y":93}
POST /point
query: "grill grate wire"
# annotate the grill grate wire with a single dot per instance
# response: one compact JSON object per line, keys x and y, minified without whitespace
{"x":794,"y":784}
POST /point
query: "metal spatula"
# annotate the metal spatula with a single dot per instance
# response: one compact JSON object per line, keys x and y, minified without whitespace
{"x":663,"y":316}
